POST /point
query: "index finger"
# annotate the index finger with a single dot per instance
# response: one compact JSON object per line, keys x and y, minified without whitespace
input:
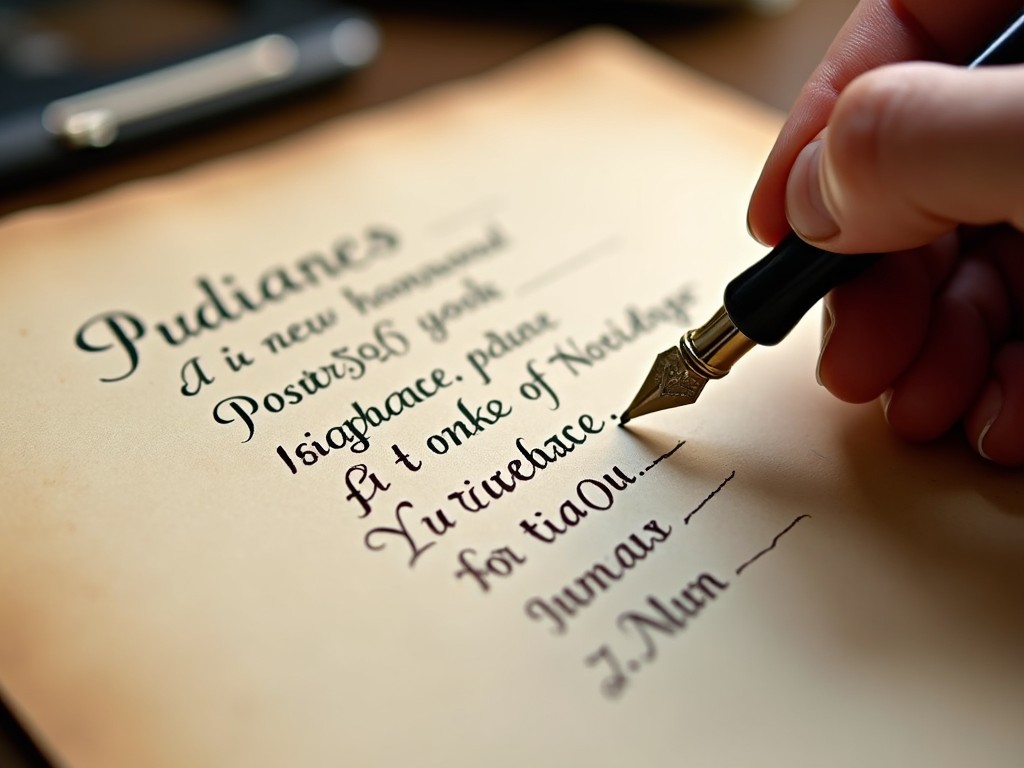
{"x":878,"y":32}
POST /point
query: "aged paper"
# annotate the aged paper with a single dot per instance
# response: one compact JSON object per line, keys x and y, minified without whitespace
{"x":310,"y":458}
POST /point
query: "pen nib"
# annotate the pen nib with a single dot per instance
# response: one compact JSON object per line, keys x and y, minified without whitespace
{"x":672,"y":382}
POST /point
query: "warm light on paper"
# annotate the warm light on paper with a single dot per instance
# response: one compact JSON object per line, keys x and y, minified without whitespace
{"x":310,"y":458}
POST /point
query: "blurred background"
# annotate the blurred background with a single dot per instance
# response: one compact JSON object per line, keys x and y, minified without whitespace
{"x":54,"y":49}
{"x":61,"y":138}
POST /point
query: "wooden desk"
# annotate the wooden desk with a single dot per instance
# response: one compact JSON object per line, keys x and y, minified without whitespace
{"x":767,"y":58}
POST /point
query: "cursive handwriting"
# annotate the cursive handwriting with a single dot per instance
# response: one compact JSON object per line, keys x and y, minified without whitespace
{"x":562,"y":606}
{"x":659,"y":618}
{"x":494,"y":240}
{"x":224,"y":301}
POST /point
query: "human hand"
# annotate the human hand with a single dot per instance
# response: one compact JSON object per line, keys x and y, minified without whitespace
{"x":928,"y":160}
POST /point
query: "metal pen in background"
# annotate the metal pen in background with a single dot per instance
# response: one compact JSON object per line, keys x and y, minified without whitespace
{"x":40,"y":137}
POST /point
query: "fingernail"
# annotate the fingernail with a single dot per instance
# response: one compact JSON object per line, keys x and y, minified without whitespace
{"x":806,"y":208}
{"x":989,"y":405}
{"x":828,"y":322}
{"x":885,"y":399}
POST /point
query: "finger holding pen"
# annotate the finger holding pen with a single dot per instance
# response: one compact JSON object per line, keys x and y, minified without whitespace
{"x":903,"y":157}
{"x":878,"y":32}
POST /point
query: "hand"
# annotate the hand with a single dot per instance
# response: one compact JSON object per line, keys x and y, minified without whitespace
{"x":926,"y":160}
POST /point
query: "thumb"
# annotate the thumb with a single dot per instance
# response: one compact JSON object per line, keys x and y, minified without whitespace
{"x":911,"y":151}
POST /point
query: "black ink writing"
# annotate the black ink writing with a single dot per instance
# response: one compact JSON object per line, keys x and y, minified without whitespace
{"x":500,"y":563}
{"x":403,"y":458}
{"x":709,"y":497}
{"x":497,"y":344}
{"x":577,"y":356}
{"x":558,"y":609}
{"x":236,"y":361}
{"x":350,"y":364}
{"x":771,"y":546}
{"x":435,"y":324}
{"x":378,"y":537}
{"x":353,"y":432}
{"x":537,"y":386}
{"x":223,"y":301}
{"x":666,"y":455}
{"x":527,"y":465}
{"x":296,"y":333}
{"x":493,"y":241}
{"x":659,"y":619}
{"x":193,"y":377}
{"x":591,"y":495}
{"x":476,"y":497}
{"x":475,"y":420}
{"x":356,"y":477}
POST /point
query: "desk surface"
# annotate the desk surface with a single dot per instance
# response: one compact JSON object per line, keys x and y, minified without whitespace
{"x":767,"y":58}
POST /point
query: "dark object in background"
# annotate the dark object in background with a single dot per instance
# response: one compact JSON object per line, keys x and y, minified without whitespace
{"x":80,"y":79}
{"x":17,"y":750}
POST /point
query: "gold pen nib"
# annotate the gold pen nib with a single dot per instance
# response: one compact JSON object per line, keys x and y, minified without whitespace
{"x":670,"y":383}
{"x":679,"y":374}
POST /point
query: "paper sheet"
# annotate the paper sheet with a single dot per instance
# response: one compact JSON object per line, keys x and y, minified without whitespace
{"x":310,"y":458}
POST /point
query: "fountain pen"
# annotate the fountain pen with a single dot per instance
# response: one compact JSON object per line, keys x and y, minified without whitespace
{"x":766,"y":301}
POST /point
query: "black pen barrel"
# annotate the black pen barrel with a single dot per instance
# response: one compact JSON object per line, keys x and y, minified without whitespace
{"x":768,"y":299}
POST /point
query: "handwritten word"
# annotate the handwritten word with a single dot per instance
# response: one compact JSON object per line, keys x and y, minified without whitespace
{"x":591,"y":494}
{"x":353,"y":432}
{"x":576,"y":356}
{"x":296,"y":333}
{"x":435,"y":324}
{"x":497,"y":344}
{"x":500,"y":563}
{"x":537,"y":386}
{"x":493,"y":241}
{"x":224,"y":301}
{"x":476,"y":421}
{"x":356,"y":477}
{"x":555,"y":447}
{"x":194,"y":377}
{"x":599,"y":578}
{"x":664,"y":617}
{"x":373,"y":537}
{"x":352,"y":364}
